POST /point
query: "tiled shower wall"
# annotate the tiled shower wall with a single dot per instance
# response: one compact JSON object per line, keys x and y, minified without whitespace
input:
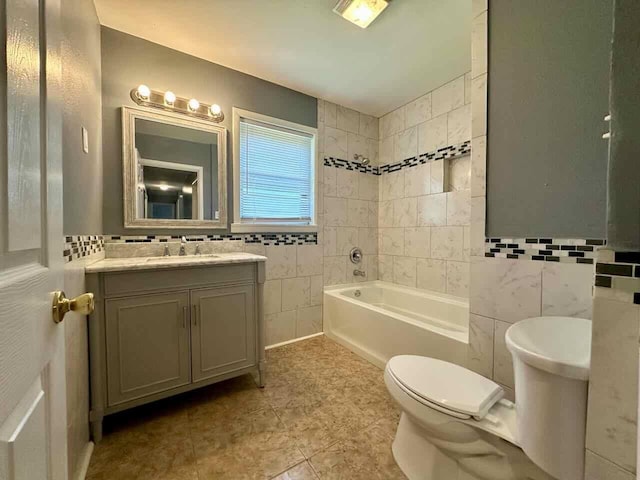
{"x":424,"y":211}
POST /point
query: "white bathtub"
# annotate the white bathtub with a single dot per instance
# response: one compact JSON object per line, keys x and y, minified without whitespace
{"x":384,"y":320}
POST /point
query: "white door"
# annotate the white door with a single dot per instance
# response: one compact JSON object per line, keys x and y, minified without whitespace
{"x":32,"y":377}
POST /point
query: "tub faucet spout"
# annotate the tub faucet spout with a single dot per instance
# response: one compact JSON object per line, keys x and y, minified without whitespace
{"x":359,"y":273}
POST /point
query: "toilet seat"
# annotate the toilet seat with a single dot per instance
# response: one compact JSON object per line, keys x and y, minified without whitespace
{"x":444,"y":386}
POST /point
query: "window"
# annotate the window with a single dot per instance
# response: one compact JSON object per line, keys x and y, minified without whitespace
{"x":274,"y":174}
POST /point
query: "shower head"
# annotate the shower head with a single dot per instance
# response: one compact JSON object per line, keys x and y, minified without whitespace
{"x":361,"y":158}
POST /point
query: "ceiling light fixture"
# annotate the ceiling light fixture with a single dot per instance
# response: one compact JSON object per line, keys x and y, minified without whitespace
{"x":360,"y":12}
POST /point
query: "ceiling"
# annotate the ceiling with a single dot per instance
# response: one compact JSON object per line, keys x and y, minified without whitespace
{"x":412,"y":48}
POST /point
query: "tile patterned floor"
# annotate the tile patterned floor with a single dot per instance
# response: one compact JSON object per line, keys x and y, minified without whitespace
{"x":324,"y":414}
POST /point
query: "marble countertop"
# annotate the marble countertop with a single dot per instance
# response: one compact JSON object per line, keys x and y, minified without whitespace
{"x":161,"y":263}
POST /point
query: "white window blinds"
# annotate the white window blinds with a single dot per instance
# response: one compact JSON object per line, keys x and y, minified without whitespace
{"x":276,"y":174}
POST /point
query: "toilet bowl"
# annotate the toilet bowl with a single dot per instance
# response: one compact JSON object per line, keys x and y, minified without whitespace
{"x":455,"y":425}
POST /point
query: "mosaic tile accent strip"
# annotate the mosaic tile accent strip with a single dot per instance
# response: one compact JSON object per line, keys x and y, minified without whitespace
{"x":80,"y":246}
{"x":250,"y":238}
{"x":449,"y":152}
{"x":563,"y":250}
{"x":623,"y":274}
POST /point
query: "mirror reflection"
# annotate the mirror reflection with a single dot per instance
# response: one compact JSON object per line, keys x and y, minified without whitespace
{"x":177,"y":172}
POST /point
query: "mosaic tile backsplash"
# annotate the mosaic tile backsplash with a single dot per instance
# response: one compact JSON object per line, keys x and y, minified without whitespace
{"x":80,"y":246}
{"x":564,"y":250}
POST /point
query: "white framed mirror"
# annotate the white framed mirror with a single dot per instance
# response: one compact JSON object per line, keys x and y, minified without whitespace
{"x":174,"y":170}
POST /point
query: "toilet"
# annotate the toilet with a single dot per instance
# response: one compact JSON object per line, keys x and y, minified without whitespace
{"x":456,"y":425}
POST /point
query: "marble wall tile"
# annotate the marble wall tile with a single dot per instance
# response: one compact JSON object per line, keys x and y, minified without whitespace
{"x":459,"y":177}
{"x":447,"y":243}
{"x":367,"y":187}
{"x":335,"y":143}
{"x":391,"y":241}
{"x":458,"y":207}
{"x":385,"y":268}
{"x":418,"y":181}
{"x":477,"y":232}
{"x":330,"y":114}
{"x":479,"y":45}
{"x":329,"y":181}
{"x":334,"y":270}
{"x":296,"y":293}
{"x":308,"y":321}
{"x":406,"y":144}
{"x":418,"y":111}
{"x":404,"y":271}
{"x":272,"y":296}
{"x":392,"y":185}
{"x":281,"y":261}
{"x":467,"y":88}
{"x":417,"y":242}
{"x":566,"y":289}
{"x":373,"y":147}
{"x":386,"y":150}
{"x":347,"y":119}
{"x":335,"y":211}
{"x":346,"y":239}
{"x":385,"y":213}
{"x":504,"y":289}
{"x":477,"y":7}
{"x":438,"y":176}
{"x":368,"y":126}
{"x":404,"y":212}
{"x":316,"y":289}
{"x":458,"y":279}
{"x":448,"y":97}
{"x":432,"y":134}
{"x":613,"y":382}
{"x":598,"y":468}
{"x":480,"y":352}
{"x":503,"y":363}
{"x":432,"y":210}
{"x":347,"y":183}
{"x":329,"y":241}
{"x":357,"y":145}
{"x":309,"y":259}
{"x":321,"y":110}
{"x":479,"y":166}
{"x":431,"y":274}
{"x":280,"y":327}
{"x":392,"y":123}
{"x":466,"y":243}
{"x":479,"y":102}
{"x":368,"y":240}
{"x":357,"y":213}
{"x":373,"y":214}
{"x":459,"y":125}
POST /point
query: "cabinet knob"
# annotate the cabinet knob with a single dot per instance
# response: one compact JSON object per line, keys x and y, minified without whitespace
{"x":82,"y":304}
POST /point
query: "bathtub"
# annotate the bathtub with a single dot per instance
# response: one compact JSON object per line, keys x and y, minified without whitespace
{"x":378,"y":320}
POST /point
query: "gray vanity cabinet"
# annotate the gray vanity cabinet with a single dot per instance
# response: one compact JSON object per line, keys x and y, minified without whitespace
{"x":159,"y":332}
{"x":147,"y":345}
{"x":222,"y":330}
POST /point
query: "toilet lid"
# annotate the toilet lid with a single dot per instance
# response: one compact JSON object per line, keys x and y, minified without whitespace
{"x":445,"y":384}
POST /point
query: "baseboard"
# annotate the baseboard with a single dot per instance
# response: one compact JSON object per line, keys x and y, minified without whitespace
{"x":86,"y":459}
{"x":281,"y":344}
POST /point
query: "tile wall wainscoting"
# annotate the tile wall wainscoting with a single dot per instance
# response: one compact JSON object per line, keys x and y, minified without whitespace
{"x":559,"y":250}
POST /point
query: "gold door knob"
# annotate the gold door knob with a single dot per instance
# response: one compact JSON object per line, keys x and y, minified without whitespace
{"x":82,"y":304}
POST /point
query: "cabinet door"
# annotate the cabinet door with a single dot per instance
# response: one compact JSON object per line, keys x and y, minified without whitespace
{"x":147,"y":345}
{"x":223,"y":330}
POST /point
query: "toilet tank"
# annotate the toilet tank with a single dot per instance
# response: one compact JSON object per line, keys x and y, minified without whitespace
{"x":551,"y":358}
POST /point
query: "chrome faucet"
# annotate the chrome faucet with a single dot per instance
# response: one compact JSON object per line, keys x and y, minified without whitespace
{"x":183,"y":242}
{"x":197,"y":249}
{"x":359,"y":273}
{"x":166,"y":253}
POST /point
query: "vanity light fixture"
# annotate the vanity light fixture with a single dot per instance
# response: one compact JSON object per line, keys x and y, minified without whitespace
{"x":360,"y":12}
{"x":164,"y":187}
{"x":169,"y":101}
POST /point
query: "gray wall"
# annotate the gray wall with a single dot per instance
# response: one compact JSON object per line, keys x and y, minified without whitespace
{"x":82,"y":107}
{"x":128,"y":61}
{"x":548,"y":94}
{"x":623,"y":218}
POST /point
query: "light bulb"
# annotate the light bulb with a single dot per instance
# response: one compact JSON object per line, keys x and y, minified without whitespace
{"x":144,"y":92}
{"x":169,"y":97}
{"x":362,"y":13}
{"x":164,"y":188}
{"x":194,"y":105}
{"x":215,"y":109}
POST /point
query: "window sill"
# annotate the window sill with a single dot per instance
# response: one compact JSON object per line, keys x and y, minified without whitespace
{"x":271,"y":228}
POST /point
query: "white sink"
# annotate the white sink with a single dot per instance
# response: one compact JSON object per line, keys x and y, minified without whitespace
{"x":558,"y":345}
